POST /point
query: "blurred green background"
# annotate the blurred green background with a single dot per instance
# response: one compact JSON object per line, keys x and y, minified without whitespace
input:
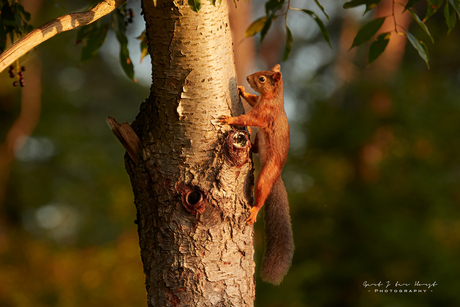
{"x":373,"y":175}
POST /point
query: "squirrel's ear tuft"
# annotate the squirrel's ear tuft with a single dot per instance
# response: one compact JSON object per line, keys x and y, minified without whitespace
{"x":276,"y":68}
{"x":276,"y":77}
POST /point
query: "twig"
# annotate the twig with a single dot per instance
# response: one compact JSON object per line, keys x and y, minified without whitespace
{"x":56,"y":26}
{"x":394,"y":16}
{"x":286,"y":14}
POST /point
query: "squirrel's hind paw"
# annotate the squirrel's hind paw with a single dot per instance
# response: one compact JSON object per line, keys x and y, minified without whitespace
{"x":253,"y":217}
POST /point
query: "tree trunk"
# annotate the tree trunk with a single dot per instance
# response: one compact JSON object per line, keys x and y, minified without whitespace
{"x":192,"y":181}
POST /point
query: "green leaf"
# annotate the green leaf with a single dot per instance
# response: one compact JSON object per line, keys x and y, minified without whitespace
{"x":421,"y":24}
{"x":13,"y":20}
{"x":94,"y":42}
{"x":213,"y":2}
{"x":2,"y":38}
{"x":7,"y":25}
{"x":320,"y":24}
{"x":118,"y":24}
{"x":287,"y":49}
{"x":126,"y":62}
{"x":456,"y":5}
{"x":451,"y":18}
{"x":144,"y":45}
{"x":195,"y":5}
{"x":411,"y":3}
{"x":432,"y":7}
{"x":436,"y":3}
{"x":419,"y":46}
{"x":18,"y":19}
{"x":322,"y":9}
{"x":7,"y":15}
{"x":93,"y":3}
{"x":378,"y":46}
{"x":370,"y":4}
{"x":85,"y":31}
{"x":256,"y":26}
{"x":25,"y":15}
{"x":266,"y":27}
{"x":429,"y":12}
{"x":121,"y":8}
{"x":28,"y":28}
{"x":367,"y":31}
{"x":272,"y":6}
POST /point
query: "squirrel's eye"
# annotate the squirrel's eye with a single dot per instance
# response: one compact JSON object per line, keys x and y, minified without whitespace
{"x":262,"y":79}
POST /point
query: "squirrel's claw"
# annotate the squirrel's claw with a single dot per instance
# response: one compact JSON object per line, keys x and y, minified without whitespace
{"x":221,"y":120}
{"x":252,"y":218}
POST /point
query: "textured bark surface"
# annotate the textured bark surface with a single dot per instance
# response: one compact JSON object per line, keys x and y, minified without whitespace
{"x":192,"y":199}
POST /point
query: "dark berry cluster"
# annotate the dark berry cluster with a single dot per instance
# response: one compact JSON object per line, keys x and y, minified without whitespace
{"x":20,"y":75}
{"x":129,"y":15}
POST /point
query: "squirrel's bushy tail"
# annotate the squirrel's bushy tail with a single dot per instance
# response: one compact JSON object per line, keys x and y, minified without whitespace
{"x":279,"y":243}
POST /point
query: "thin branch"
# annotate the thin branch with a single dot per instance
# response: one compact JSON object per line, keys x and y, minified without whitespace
{"x":394,"y":16}
{"x":287,"y":10}
{"x":56,"y":26}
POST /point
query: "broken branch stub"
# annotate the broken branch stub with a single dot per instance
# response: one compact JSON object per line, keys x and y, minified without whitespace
{"x":127,"y":137}
{"x":238,"y":147}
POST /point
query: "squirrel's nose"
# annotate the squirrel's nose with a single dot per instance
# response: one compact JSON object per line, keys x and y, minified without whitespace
{"x":247,"y":78}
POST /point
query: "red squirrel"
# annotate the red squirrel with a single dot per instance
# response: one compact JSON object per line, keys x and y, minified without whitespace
{"x":272,"y":145}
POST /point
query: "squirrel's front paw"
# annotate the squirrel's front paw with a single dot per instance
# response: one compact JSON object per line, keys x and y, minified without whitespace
{"x":241,"y":90}
{"x":221,"y":120}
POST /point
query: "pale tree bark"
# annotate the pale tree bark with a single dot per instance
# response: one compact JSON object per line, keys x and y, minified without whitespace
{"x":192,"y":181}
